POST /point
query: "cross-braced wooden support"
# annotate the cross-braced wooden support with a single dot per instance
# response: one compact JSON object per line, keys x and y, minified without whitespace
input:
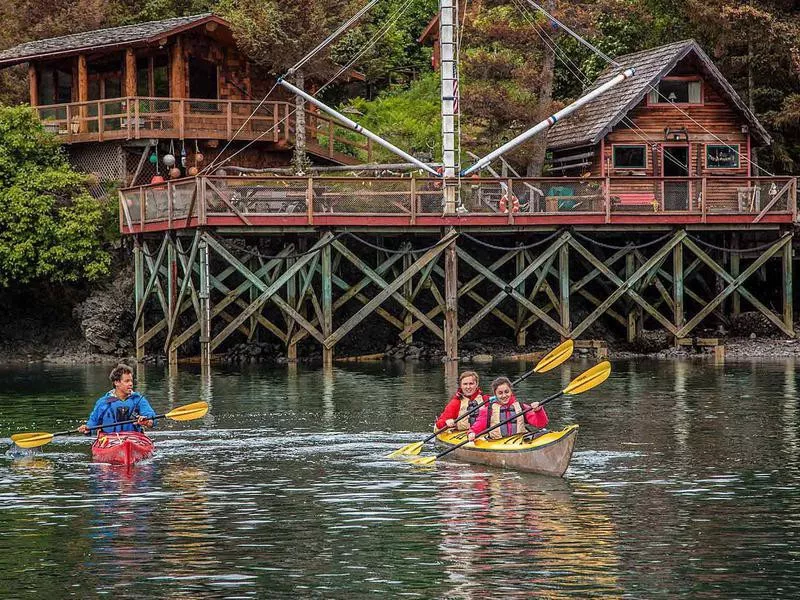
{"x":211,"y":292}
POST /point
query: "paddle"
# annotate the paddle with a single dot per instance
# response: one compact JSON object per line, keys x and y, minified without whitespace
{"x":554,"y":358}
{"x":583,"y":382}
{"x":182,"y":413}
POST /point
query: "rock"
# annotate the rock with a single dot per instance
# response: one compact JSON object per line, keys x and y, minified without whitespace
{"x":753,"y":336}
{"x":482,"y":358}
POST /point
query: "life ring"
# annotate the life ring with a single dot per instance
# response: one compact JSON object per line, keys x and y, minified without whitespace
{"x":503,"y":204}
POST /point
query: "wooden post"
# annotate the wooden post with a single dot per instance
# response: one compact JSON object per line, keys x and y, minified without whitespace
{"x":310,"y":200}
{"x":33,"y":84}
{"x":413,"y":206}
{"x":408,"y":291}
{"x":630,"y":269}
{"x":703,"y":200}
{"x":788,"y":287}
{"x":229,"y":119}
{"x":172,"y":290}
{"x":736,"y":299}
{"x":291,"y":298}
{"x":83,"y":93}
{"x":205,"y":308}
{"x":521,"y":331}
{"x":177,"y":70}
{"x":451,"y":301}
{"x":327,"y":304}
{"x":130,"y":73}
{"x":677,"y":284}
{"x":563,"y":280}
{"x":607,"y":198}
{"x":138,"y":292}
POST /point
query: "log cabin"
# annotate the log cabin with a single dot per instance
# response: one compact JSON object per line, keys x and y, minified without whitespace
{"x":122,"y":98}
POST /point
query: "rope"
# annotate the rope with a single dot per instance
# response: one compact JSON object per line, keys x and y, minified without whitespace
{"x":503,"y":248}
{"x":390,"y":250}
{"x":230,"y":244}
{"x":586,"y":238}
{"x":736,"y":250}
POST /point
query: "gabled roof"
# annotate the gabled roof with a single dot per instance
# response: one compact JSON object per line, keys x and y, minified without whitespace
{"x":592,"y":122}
{"x":103,"y":39}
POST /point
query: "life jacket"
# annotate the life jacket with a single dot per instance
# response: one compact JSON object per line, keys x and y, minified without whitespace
{"x":500,"y":413}
{"x":121,"y":413}
{"x":468,"y":404}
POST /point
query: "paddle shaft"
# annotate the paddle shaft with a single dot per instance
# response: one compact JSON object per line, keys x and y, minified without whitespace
{"x":500,"y":424}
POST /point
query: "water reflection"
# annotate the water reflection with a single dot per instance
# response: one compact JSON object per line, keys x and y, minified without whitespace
{"x":504,"y":534}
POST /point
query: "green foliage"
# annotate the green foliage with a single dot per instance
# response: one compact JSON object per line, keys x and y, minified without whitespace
{"x":408,"y":118}
{"x":49,"y":224}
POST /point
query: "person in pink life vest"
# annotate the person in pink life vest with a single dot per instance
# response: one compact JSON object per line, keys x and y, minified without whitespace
{"x":502,"y":406}
{"x":467,"y":398}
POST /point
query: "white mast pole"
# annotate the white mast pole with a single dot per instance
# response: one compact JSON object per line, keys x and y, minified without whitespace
{"x":448,"y":74}
{"x":547,"y":123}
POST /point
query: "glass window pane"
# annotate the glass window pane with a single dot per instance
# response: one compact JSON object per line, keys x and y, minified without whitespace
{"x":722,"y":157}
{"x":630,"y":157}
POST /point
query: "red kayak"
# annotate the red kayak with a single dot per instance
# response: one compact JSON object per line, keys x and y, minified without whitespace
{"x":122,"y":448}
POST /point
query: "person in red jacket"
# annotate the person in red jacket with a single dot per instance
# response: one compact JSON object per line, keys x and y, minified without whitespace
{"x":467,"y":397}
{"x":504,"y":405}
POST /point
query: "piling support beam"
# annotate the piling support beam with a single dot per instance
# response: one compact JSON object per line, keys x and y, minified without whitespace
{"x":327,"y":304}
{"x":677,"y":284}
{"x":788,"y":287}
{"x":451,"y":301}
{"x":521,"y":331}
{"x":736,"y":298}
{"x":205,"y":304}
{"x":563,"y":280}
{"x":138,"y":266}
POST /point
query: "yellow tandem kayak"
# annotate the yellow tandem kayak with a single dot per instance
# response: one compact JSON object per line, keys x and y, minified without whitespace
{"x":547,"y":454}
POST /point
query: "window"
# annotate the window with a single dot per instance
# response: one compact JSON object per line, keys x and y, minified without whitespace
{"x":152,"y":76}
{"x":55,"y":86}
{"x":630,"y":157}
{"x":679,"y":91}
{"x":722,"y":157}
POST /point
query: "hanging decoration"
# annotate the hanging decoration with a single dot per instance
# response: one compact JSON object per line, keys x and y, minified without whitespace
{"x":183,"y":154}
{"x":169,"y":159}
{"x":174,"y":173}
{"x":198,"y":156}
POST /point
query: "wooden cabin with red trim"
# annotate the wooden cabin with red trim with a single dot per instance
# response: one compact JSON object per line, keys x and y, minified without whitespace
{"x":117,"y":96}
{"x":672,"y":137}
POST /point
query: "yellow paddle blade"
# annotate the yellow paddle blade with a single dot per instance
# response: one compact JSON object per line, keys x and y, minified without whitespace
{"x":188,"y":412}
{"x":425,"y":460}
{"x":407,"y":449}
{"x":589,"y":379}
{"x":555,"y":357}
{"x":31,"y":440}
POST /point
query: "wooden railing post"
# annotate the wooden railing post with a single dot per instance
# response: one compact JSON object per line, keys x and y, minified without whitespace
{"x":229,"y":119}
{"x":170,"y":192}
{"x":607,"y":199}
{"x":413,"y":200}
{"x":68,"y":125}
{"x":276,"y":109}
{"x":128,"y":117}
{"x":510,"y":201}
{"x":181,"y":117}
{"x":331,"y":132}
{"x":100,"y":120}
{"x":369,"y":150}
{"x":793,"y":199}
{"x":310,"y":200}
{"x":142,"y":200}
{"x":201,"y":208}
{"x":703,"y":199}
{"x":136,"y":117}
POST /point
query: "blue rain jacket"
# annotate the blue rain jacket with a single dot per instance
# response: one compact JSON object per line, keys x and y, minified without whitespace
{"x":110,"y":409}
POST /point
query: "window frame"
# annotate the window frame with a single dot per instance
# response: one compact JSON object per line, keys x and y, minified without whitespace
{"x":614,"y":164}
{"x":738,"y":156}
{"x":688,"y":80}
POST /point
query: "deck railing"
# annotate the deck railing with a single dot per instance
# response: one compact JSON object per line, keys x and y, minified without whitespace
{"x":196,"y":118}
{"x":301,"y":200}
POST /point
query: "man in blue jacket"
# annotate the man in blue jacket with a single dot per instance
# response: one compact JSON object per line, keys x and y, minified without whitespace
{"x":120,"y":404}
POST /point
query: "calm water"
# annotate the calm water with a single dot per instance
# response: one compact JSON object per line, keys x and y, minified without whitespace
{"x":685,"y":483}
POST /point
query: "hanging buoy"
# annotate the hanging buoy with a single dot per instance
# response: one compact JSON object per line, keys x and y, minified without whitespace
{"x":503,"y":204}
{"x":153,"y":158}
{"x":193,"y":171}
{"x":198,"y":158}
{"x":169,"y":160}
{"x":174,"y":173}
{"x":157,"y":179}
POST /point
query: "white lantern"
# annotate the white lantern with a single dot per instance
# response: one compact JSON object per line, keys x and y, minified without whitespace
{"x":169,"y":160}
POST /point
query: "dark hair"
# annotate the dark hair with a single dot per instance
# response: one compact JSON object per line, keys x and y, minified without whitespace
{"x":118,"y":371}
{"x":500,"y":381}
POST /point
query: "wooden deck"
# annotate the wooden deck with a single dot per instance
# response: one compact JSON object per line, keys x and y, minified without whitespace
{"x":171,"y":118}
{"x":417,"y":203}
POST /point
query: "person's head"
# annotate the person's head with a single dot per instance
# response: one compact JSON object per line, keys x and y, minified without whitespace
{"x":468,"y":382}
{"x":502,"y":389}
{"x":121,"y":378}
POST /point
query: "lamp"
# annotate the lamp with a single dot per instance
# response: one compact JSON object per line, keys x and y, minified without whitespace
{"x":672,"y":97}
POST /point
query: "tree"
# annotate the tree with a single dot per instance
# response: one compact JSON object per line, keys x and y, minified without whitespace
{"x":49,"y":224}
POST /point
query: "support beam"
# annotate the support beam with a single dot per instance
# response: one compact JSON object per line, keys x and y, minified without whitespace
{"x":677,"y":284}
{"x":520,"y":332}
{"x":83,"y":92}
{"x":327,"y":305}
{"x":138,"y":292}
{"x":130,"y":73}
{"x":736,"y":299}
{"x":563,"y":284}
{"x":788,"y":287}
{"x":33,"y":85}
{"x":451,"y":301}
{"x":205,"y":304}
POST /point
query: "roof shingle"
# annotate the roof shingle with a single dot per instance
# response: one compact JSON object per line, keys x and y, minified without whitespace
{"x":592,"y":122}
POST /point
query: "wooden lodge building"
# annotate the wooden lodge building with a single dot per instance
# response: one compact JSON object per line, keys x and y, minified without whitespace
{"x":651,"y":214}
{"x":177,"y":86}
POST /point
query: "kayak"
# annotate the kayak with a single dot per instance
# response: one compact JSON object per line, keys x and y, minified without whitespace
{"x":547,"y":454}
{"x":121,"y":448}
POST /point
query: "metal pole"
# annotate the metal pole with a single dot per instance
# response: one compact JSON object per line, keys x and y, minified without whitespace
{"x":356,"y":127}
{"x":448,"y":76}
{"x":548,"y":122}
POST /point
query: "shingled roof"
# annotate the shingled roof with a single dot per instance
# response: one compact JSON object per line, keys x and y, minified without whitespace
{"x":98,"y":39}
{"x":592,"y":122}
